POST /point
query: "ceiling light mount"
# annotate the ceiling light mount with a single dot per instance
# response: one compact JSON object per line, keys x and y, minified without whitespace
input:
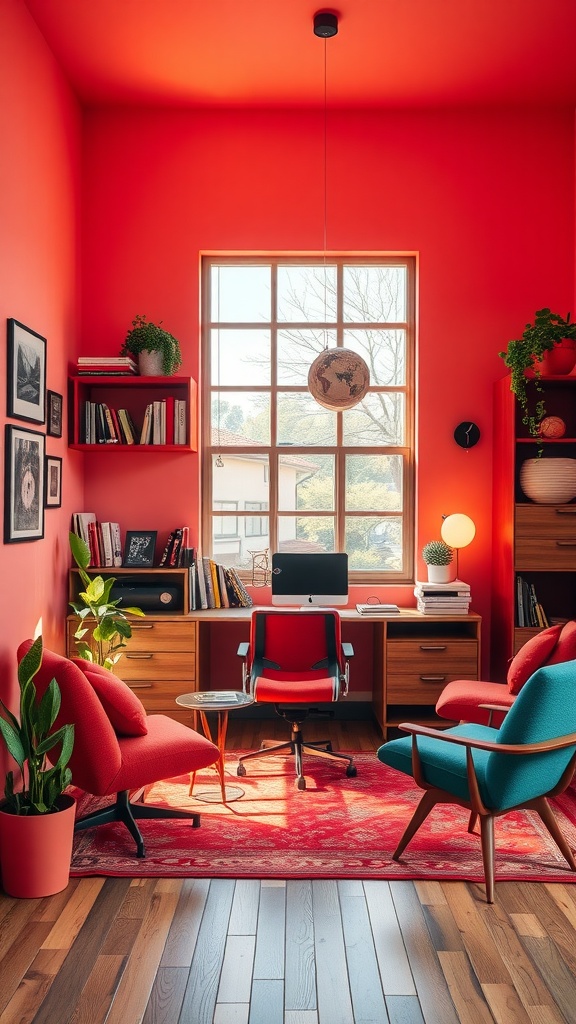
{"x":325,"y":24}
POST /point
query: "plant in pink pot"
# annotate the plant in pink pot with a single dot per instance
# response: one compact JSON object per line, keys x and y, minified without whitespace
{"x":36,"y":816}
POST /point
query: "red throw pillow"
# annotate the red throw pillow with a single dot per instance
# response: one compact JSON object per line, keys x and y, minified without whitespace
{"x":125,"y":711}
{"x":531,"y":656}
{"x":565,"y":649}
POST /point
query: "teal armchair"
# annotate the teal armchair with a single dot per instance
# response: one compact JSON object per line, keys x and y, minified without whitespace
{"x":489,"y":771}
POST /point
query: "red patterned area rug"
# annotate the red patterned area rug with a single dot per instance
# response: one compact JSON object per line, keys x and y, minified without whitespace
{"x":337,"y":828}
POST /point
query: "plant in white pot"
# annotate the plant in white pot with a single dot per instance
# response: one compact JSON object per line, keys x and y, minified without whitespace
{"x":438,"y":557}
{"x":156,"y":350}
{"x":36,"y":820}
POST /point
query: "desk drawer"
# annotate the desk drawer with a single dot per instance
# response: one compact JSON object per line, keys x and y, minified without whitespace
{"x":545,"y":537}
{"x":456,"y":657}
{"x":158,"y":695}
{"x":425,"y":688}
{"x":162,"y":636}
{"x":161,"y":665}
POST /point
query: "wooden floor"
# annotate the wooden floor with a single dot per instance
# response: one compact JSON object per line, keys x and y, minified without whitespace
{"x":222,"y":951}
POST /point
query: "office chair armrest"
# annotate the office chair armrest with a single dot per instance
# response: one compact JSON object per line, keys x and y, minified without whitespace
{"x":557,"y":743}
{"x":243,"y":649}
{"x":347,"y":650}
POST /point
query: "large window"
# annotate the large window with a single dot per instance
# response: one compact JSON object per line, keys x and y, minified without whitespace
{"x":319,"y":480}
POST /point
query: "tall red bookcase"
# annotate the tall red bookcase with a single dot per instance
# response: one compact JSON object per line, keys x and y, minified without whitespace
{"x":534,"y":541}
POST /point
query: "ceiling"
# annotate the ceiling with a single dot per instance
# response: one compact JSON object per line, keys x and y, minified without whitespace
{"x":263,"y":53}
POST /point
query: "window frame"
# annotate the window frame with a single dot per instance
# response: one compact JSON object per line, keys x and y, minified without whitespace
{"x":209,"y":451}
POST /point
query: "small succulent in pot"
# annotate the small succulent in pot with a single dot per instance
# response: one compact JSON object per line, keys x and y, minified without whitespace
{"x":437,"y":552}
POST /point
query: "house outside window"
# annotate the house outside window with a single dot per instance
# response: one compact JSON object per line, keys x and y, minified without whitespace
{"x":326,"y":481}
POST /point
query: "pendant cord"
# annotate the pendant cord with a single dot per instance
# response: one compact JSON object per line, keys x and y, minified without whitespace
{"x":325,"y":187}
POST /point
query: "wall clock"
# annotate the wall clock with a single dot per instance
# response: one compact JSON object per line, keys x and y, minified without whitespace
{"x":467,"y":434}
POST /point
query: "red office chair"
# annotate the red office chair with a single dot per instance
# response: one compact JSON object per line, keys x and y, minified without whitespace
{"x":296,"y":660}
{"x":117,"y":748}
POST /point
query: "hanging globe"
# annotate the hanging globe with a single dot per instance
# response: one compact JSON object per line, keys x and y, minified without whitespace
{"x":338,"y":379}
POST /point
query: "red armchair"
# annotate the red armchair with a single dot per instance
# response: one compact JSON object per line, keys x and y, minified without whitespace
{"x":117,"y":748}
{"x":296,"y":660}
{"x":466,"y":700}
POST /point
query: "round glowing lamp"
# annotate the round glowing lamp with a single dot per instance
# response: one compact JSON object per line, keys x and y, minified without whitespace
{"x":458,"y":530}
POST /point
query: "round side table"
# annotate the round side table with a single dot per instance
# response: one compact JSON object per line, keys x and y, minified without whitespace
{"x":221,"y":701}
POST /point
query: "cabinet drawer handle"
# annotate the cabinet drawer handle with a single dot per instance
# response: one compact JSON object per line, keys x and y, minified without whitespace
{"x":142,"y":625}
{"x":566,"y":543}
{"x":140,"y":686}
{"x":433,"y":679}
{"x":566,"y":511}
{"x":139,"y":657}
{"x":433,"y":647}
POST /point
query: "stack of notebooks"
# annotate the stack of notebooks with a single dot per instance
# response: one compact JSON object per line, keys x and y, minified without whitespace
{"x":442,"y":598}
{"x":106,"y":366}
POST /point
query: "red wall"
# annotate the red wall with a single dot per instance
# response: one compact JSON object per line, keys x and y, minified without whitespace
{"x":39,"y":216}
{"x":476,"y":194}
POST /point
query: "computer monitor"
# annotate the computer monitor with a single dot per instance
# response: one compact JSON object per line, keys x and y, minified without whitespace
{"x":310,"y":581}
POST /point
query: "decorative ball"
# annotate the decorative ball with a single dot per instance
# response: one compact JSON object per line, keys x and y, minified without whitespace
{"x":552,"y":426}
{"x":338,"y":379}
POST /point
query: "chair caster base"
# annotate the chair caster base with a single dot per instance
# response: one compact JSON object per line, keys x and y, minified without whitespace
{"x":351,"y":771}
{"x":241,"y":771}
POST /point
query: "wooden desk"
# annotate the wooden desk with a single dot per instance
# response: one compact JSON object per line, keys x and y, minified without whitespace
{"x":413,"y":657}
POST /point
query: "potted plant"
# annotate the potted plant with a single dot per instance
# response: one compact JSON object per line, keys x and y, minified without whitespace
{"x":547,"y":345}
{"x":438,"y":556}
{"x":37,"y":820}
{"x":101,"y":643}
{"x":158,"y":352}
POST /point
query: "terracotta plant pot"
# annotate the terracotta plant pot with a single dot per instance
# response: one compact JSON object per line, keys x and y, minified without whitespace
{"x":35,"y":851}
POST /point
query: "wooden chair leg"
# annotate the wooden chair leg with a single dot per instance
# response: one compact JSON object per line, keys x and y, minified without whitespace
{"x":472,"y":821}
{"x":487,"y":841}
{"x":542,"y":807}
{"x":427,"y":802}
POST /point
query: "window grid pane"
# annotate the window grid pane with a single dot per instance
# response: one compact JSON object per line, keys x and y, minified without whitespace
{"x":277,"y":445}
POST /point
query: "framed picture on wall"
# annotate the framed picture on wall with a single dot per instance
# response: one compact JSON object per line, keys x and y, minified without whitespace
{"x":139,"y":549}
{"x":23,"y":484}
{"x":53,"y":482}
{"x":54,"y":414}
{"x":26,"y":373}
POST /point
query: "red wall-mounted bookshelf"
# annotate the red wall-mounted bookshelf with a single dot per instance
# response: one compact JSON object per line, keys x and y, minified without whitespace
{"x":134,"y":394}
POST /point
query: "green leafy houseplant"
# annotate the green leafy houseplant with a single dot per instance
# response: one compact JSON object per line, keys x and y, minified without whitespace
{"x":146,"y":336}
{"x":101,"y":643}
{"x":29,"y":740}
{"x":526,"y":352}
{"x":437,"y":552}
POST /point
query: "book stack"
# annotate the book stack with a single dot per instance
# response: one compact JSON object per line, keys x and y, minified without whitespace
{"x":106,"y":366}
{"x":529,"y":611}
{"x":103,"y":539}
{"x":442,"y":598}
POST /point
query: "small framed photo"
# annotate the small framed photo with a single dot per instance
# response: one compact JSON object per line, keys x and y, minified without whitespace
{"x":139,"y":549}
{"x":54,"y":414}
{"x":23,"y":484}
{"x":26,"y":373}
{"x":53,"y":482}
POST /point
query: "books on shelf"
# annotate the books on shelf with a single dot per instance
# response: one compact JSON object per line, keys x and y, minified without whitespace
{"x":529,"y":610}
{"x":103,"y":539}
{"x":164,"y":423}
{"x":377,"y":609}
